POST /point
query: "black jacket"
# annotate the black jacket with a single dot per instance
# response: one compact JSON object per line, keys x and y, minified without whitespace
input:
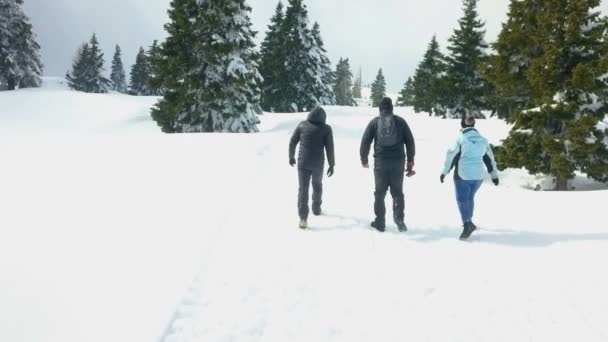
{"x":314,"y":136}
{"x":394,"y":152}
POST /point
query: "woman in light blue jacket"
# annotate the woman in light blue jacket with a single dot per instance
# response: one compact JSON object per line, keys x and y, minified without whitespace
{"x":469,"y":157}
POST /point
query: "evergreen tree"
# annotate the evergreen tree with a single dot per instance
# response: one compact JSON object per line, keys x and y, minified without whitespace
{"x":323,"y":79}
{"x":87,"y":71}
{"x":140,"y":75}
{"x":306,"y":72}
{"x":118,"y":75}
{"x":153,"y":58}
{"x":20,"y":64}
{"x":555,"y":53}
{"x":208,"y":69}
{"x":428,"y":85}
{"x":344,"y":84}
{"x":378,"y":89}
{"x":467,"y":89}
{"x":406,"y":96}
{"x":357,"y":87}
{"x":272,"y":62}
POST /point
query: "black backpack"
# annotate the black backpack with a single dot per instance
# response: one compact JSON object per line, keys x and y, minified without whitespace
{"x":387,"y":133}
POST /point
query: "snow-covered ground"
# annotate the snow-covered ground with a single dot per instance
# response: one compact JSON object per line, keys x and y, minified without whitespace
{"x":112,"y":231}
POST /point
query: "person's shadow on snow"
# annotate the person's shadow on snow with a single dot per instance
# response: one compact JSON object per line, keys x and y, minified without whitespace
{"x":513,"y":238}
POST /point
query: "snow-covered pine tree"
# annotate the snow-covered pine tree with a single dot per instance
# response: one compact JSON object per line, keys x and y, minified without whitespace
{"x":466,"y":88}
{"x":358,"y":85}
{"x":215,"y":85}
{"x":140,"y":75}
{"x":87,"y":70}
{"x":507,"y":69}
{"x":154,"y":60}
{"x":118,"y":75}
{"x":378,"y":89}
{"x":306,"y":85}
{"x":78,"y":77}
{"x":406,"y":96}
{"x":563,"y":61}
{"x":322,"y":82}
{"x":429,"y":82}
{"x":272,"y":62}
{"x":344,"y":84}
{"x":20,"y":64}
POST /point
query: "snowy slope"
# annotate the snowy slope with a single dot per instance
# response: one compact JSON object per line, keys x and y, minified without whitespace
{"x":112,"y":231}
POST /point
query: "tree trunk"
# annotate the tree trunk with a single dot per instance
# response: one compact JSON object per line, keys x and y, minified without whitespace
{"x":11,"y":84}
{"x":561,"y":184}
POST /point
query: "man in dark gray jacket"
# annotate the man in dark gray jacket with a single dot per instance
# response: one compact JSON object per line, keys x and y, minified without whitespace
{"x":314,"y":136}
{"x":390,"y":133}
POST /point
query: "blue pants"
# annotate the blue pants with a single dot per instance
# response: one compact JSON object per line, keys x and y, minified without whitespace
{"x":465,"y":196}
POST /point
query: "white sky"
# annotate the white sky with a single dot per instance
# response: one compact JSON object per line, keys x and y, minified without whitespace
{"x":392,"y":34}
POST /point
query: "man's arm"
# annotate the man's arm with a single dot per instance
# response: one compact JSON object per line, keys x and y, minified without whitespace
{"x":366,"y":142}
{"x":410,"y":144}
{"x":293,"y":142}
{"x":329,"y":148}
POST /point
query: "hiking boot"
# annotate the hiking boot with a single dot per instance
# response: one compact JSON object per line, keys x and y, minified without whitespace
{"x":379,"y":226}
{"x":303,"y":224}
{"x":316,"y":211}
{"x":402,"y":227}
{"x":468,"y":229}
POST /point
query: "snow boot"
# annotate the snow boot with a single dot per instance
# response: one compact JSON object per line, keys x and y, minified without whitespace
{"x":468,"y":229}
{"x":402,"y":227}
{"x":303,"y":224}
{"x":379,"y":226}
{"x":316,"y":210}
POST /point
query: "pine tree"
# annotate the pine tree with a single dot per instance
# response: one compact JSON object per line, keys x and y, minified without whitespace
{"x":428,"y":85}
{"x":78,"y":77}
{"x":554,"y":53}
{"x":406,"y":96}
{"x":357,"y":87}
{"x":272,"y":62}
{"x":323,"y":79}
{"x":344,"y":84}
{"x":154,"y":57}
{"x":378,"y":89}
{"x":211,"y":81}
{"x":88,"y":68}
{"x":20,"y":64}
{"x":118,"y":75}
{"x":305,"y":63}
{"x":140,"y":75}
{"x":467,"y":48}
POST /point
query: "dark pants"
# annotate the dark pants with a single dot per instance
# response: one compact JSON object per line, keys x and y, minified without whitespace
{"x":305,"y":177}
{"x":389,"y":174}
{"x":465,"y":196}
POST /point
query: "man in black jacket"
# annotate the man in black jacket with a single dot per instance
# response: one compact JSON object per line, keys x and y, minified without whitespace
{"x":314,"y":136}
{"x":390,"y":133}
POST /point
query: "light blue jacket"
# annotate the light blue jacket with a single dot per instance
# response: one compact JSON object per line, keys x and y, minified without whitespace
{"x":471,"y":155}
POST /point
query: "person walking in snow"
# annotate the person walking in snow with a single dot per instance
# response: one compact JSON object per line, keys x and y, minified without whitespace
{"x":390,"y":133}
{"x":467,"y":156}
{"x":314,"y":136}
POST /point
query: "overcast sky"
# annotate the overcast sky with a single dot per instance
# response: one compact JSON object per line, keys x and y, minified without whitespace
{"x":392,"y":34}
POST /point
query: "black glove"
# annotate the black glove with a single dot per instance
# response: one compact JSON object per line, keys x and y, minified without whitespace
{"x":442,"y":178}
{"x":330,"y":171}
{"x":495,"y":181}
{"x":292,"y":161}
{"x":409,"y":171}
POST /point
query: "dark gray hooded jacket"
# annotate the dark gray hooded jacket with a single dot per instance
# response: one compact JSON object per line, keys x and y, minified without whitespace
{"x":314,"y":136}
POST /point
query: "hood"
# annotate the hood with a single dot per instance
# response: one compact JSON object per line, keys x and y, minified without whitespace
{"x":472,"y":135}
{"x":317,"y":116}
{"x":386,"y":107}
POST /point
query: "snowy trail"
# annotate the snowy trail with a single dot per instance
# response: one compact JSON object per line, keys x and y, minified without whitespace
{"x":106,"y":225}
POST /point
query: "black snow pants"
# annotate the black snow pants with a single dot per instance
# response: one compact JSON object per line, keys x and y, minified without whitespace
{"x":305,"y":177}
{"x":389,"y":174}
